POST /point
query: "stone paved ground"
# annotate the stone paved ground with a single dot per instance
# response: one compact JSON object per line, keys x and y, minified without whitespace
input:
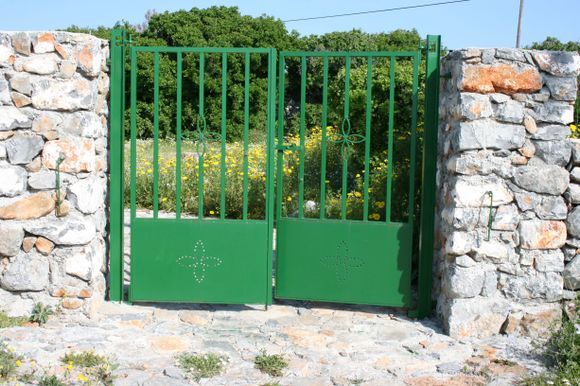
{"x":324,"y":345}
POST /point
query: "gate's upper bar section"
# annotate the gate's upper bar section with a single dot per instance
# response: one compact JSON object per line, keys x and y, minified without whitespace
{"x":343,"y":54}
{"x":207,"y":50}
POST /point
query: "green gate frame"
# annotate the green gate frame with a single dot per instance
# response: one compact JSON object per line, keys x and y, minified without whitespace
{"x":119,"y":43}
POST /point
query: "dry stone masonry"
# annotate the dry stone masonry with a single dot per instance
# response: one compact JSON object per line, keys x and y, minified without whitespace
{"x":53,"y":114}
{"x":504,"y":153}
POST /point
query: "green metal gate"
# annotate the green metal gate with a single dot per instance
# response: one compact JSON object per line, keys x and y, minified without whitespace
{"x":337,"y":241}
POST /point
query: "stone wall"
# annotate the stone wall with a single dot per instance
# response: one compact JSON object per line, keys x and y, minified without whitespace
{"x":503,"y":139}
{"x":53,"y":103}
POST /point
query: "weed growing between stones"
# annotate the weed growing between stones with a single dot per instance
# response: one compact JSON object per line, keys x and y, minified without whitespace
{"x":50,"y":380}
{"x":270,"y":384}
{"x":562,"y":354}
{"x":95,"y":368}
{"x":9,"y":321}
{"x":200,"y":366}
{"x":9,"y":361}
{"x":272,"y":365}
{"x":41,"y":313}
{"x":356,"y":381}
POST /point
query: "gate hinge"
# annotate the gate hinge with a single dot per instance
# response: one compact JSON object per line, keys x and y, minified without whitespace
{"x":288,"y":148}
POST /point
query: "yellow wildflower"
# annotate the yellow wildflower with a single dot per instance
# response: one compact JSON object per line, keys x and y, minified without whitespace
{"x":357,"y":175}
{"x":82,"y":378}
{"x":211,"y":212}
{"x":18,"y":363}
{"x":149,"y":171}
{"x":357,"y":194}
{"x":380,"y":204}
{"x":289,"y":198}
{"x":164,"y":199}
{"x":70,"y":365}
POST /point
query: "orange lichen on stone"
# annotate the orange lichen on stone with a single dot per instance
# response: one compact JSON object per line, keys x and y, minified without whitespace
{"x":501,"y":78}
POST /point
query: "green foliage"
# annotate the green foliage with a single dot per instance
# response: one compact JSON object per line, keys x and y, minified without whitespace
{"x":8,"y":361}
{"x":10,"y":321}
{"x":98,"y":368}
{"x":553,"y":44}
{"x":562,"y":354}
{"x":40,"y":313}
{"x":50,"y":380}
{"x":200,"y":366}
{"x":84,"y":359}
{"x":272,"y":365}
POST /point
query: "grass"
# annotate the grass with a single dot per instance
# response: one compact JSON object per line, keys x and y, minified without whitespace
{"x":99,"y":369}
{"x":562,"y":355}
{"x":9,"y":321}
{"x":8,"y":361}
{"x":50,"y":380}
{"x":272,"y":365}
{"x":200,"y":366}
{"x":84,"y":359}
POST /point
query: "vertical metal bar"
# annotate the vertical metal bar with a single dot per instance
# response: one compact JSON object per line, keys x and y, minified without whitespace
{"x":223,"y":136}
{"x":133,"y":122}
{"x":280,"y":142}
{"x":427,"y":233}
{"x":246,"y":131}
{"x":178,"y":137}
{"x":201,"y":121}
{"x":323,"y":139}
{"x":156,"y":135}
{"x":270,"y":169}
{"x":416,"y":60}
{"x":368,"y":137}
{"x":302,"y":135}
{"x":344,"y":147}
{"x":116,"y":138}
{"x":390,"y":146}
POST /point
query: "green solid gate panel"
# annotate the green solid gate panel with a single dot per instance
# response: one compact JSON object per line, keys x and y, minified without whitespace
{"x":199,"y":261}
{"x":344,"y":261}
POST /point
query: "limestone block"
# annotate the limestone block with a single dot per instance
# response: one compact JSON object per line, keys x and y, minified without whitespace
{"x":23,"y":147}
{"x":30,"y":207}
{"x":64,"y":94}
{"x":472,"y":191}
{"x":487,"y":134}
{"x":26,"y":272}
{"x":13,"y":180}
{"x":571,"y":274}
{"x":12,"y":118}
{"x":558,"y":63}
{"x":500,"y":78}
{"x":475,"y":317}
{"x":540,"y":177}
{"x":11,"y":238}
{"x":539,"y":234}
{"x":70,"y":230}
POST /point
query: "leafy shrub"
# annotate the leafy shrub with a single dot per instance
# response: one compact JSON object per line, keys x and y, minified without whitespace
{"x":271,"y":364}
{"x":201,"y":365}
{"x":40,"y":313}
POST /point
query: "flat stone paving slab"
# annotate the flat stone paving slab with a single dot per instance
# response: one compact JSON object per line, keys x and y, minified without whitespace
{"x":324,"y":345}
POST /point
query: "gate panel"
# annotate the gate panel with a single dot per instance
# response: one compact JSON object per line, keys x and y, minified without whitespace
{"x":194,"y":245}
{"x":199,"y":261}
{"x":346,"y":234}
{"x":344,"y":262}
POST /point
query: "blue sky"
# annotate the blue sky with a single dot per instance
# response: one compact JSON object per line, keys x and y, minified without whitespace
{"x":478,"y":23}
